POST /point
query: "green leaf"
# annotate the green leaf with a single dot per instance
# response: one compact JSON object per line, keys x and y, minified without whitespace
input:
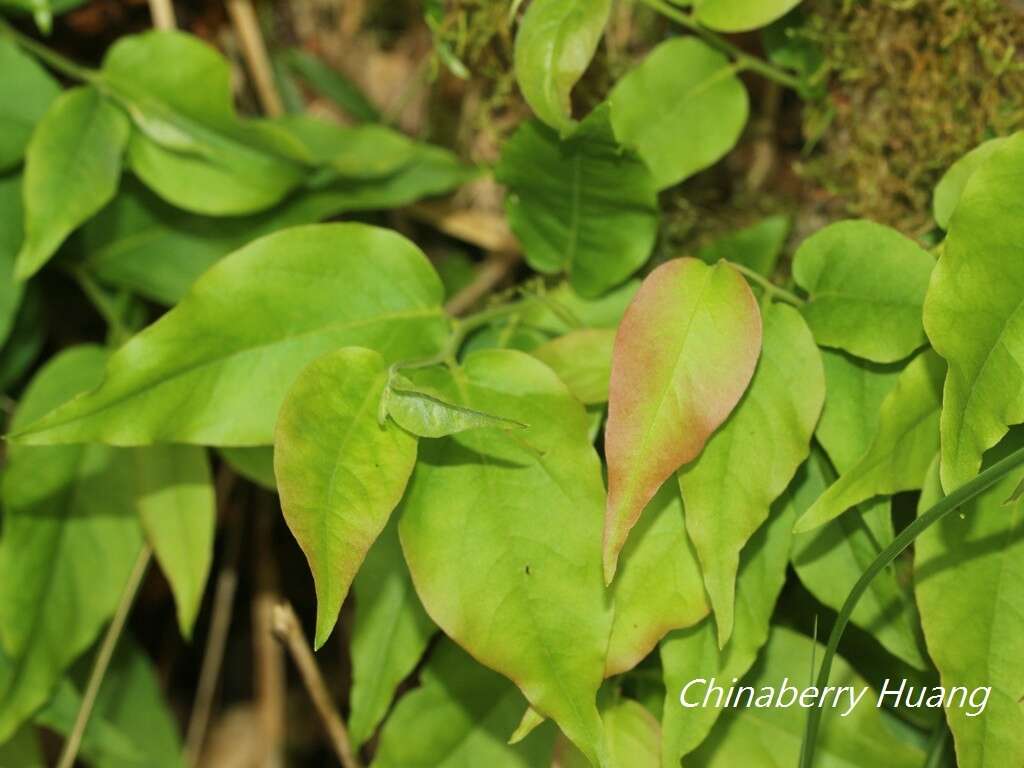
{"x":25,"y":340}
{"x":339,"y":472}
{"x":903,"y":447}
{"x":695,"y":652}
{"x":26,"y":93}
{"x":357,"y":152}
{"x":969,"y":582}
{"x":215,"y":369}
{"x":579,"y":205}
{"x":770,"y":737}
{"x":70,"y":539}
{"x":973,"y":314}
{"x":460,"y":716}
{"x":524,"y":602}
{"x":190,"y":147}
{"x":757,"y":247}
{"x":634,"y":738}
{"x":554,"y":46}
{"x":682,"y":109}
{"x":684,"y":355}
{"x":42,"y":10}
{"x":583,"y":361}
{"x":951,"y":185}
{"x":425,"y":413}
{"x":855,"y":390}
{"x":729,"y":489}
{"x":740,"y":15}
{"x":102,"y":743}
{"x":22,"y":750}
{"x":659,"y":586}
{"x":867,"y":285}
{"x":72,"y":168}
{"x":332,"y":84}
{"x":391,"y":633}
{"x":179,"y":517}
{"x":831,"y":559}
{"x":11,"y":214}
{"x":254,"y":464}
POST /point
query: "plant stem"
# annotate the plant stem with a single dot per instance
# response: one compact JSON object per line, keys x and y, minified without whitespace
{"x":118,"y":331}
{"x":106,"y":652}
{"x":745,"y":60}
{"x":460,"y":332}
{"x":53,"y":59}
{"x":162,"y":12}
{"x":943,"y":508}
{"x":780,"y":293}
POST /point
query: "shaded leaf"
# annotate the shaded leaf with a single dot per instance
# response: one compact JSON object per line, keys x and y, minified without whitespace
{"x":867,"y":285}
{"x":583,"y":361}
{"x":684,"y":354}
{"x":524,"y":602}
{"x":26,"y":92}
{"x":757,"y":247}
{"x":254,"y":464}
{"x":11,"y":213}
{"x":682,"y":109}
{"x":339,"y":472}
{"x":424,"y":413}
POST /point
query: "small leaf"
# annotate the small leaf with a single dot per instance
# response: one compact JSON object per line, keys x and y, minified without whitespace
{"x":26,"y":93}
{"x":339,"y":473}
{"x":867,"y":285}
{"x":459,"y":717}
{"x":740,"y":15}
{"x":682,"y":109}
{"x":974,"y":314}
{"x":583,"y":361}
{"x":179,"y":518}
{"x":906,"y":440}
{"x":953,"y":182}
{"x":580,"y":205}
{"x":72,"y":168}
{"x":969,"y":581}
{"x":554,"y":46}
{"x":729,"y":489}
{"x":501,"y":531}
{"x":695,"y":652}
{"x":426,"y":414}
{"x":756,"y":247}
{"x":391,"y":633}
{"x":684,"y":355}
{"x":215,"y":369}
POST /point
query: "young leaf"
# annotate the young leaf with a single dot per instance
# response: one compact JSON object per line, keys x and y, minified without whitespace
{"x":554,"y":46}
{"x":855,"y":390}
{"x":72,"y":167}
{"x":682,"y":109}
{"x":11,"y":214}
{"x":179,"y":518}
{"x":951,"y":185}
{"x":391,"y":633}
{"x":770,"y":736}
{"x":26,"y":92}
{"x":973,"y":314}
{"x":867,"y":285}
{"x":190,"y":147}
{"x":831,"y":559}
{"x":969,"y":581}
{"x":71,"y":536}
{"x":580,"y":205}
{"x":729,"y":489}
{"x":583,"y":361}
{"x":215,"y":369}
{"x":477,"y":531}
{"x":740,"y":15}
{"x":684,"y":355}
{"x":339,"y":472}
{"x":426,"y":414}
{"x":899,"y":455}
{"x":659,"y":586}
{"x":460,"y":716}
{"x":695,"y":652}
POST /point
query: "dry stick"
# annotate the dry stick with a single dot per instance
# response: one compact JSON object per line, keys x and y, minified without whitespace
{"x":289,"y":632}
{"x":106,"y":652}
{"x":497,"y":267}
{"x":268,"y":656}
{"x":216,"y":640}
{"x":247,"y":27}
{"x":162,"y":12}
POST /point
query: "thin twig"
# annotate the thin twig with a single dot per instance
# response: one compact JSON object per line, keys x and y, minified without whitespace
{"x":289,"y":632}
{"x":780,"y":293}
{"x":162,"y":12}
{"x":106,"y":652}
{"x":247,"y":27}
{"x":220,"y":623}
{"x":268,"y":656}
